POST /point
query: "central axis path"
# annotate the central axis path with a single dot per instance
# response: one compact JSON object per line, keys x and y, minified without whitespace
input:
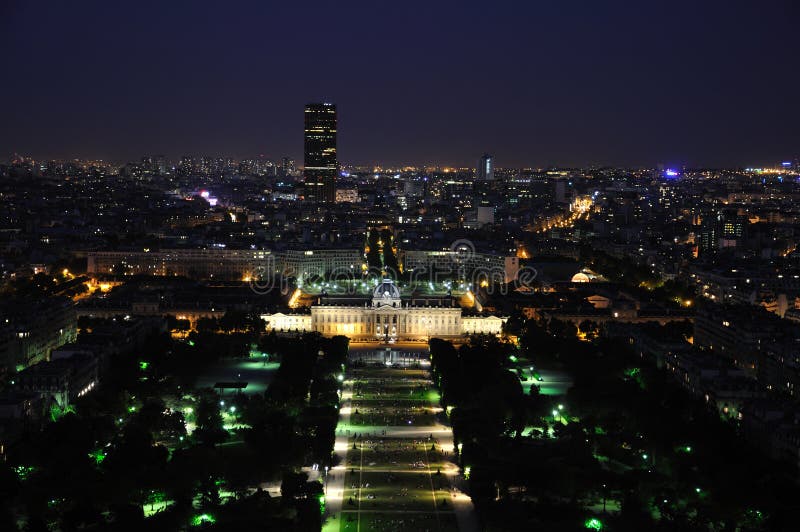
{"x":395,"y":450}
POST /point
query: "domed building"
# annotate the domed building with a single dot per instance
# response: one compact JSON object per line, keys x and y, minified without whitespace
{"x":386,"y":316}
{"x":587,"y":276}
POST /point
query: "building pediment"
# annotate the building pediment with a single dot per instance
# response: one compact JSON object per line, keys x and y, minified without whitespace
{"x":387,"y":309}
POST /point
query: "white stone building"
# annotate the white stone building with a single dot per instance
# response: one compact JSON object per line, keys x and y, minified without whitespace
{"x":386,"y":317}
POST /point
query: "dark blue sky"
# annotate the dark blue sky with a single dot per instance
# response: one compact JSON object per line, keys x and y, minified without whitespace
{"x":700,"y":82}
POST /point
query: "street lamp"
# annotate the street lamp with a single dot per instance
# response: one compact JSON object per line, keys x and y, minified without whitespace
{"x":604,"y":498}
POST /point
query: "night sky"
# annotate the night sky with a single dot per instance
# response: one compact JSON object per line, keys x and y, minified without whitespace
{"x":536,"y":83}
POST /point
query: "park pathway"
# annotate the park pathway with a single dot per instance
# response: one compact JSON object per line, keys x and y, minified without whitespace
{"x":396,"y":469}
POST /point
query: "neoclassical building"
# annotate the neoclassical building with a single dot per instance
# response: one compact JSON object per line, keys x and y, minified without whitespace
{"x":386,"y":317}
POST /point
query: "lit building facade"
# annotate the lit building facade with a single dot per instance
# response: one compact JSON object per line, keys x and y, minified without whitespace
{"x":303,"y":264}
{"x":226,"y":264}
{"x":386,"y":317}
{"x":320,"y":165}
{"x":211,"y":263}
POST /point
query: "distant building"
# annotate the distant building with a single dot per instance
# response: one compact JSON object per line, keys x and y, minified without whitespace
{"x":486,"y":168}
{"x":465,"y":264}
{"x":303,"y":264}
{"x":320,"y":164}
{"x":485,"y":214}
{"x":346,"y":195}
{"x":219,"y":263}
{"x":62,"y":380}
{"x":735,"y":332}
{"x":561,"y":191}
{"x":33,"y":329}
{"x":226,"y":264}
{"x":287,"y":167}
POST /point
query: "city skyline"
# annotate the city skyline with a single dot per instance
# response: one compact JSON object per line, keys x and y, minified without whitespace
{"x":386,"y":267}
{"x":680,"y":84}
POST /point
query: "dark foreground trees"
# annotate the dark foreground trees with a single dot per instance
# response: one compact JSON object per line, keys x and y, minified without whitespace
{"x":125,"y":453}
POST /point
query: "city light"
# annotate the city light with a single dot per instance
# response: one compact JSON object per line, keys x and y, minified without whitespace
{"x":593,"y":523}
{"x":274,"y":321}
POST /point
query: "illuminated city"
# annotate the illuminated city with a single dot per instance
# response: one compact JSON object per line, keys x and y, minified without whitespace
{"x":429,"y":268}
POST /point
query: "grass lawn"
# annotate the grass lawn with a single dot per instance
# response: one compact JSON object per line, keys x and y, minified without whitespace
{"x":400,"y":483}
{"x":396,"y":522}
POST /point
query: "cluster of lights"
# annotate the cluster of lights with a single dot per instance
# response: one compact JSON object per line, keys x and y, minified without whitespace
{"x":88,"y":388}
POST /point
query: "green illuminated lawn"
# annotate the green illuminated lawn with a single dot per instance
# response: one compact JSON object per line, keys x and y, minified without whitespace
{"x":390,"y":415}
{"x":396,"y":522}
{"x":394,"y":484}
{"x":256,"y":373}
{"x":398,"y":454}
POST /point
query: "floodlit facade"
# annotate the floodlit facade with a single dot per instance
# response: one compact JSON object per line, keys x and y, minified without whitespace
{"x":230,"y":264}
{"x":386,"y":317}
{"x":303,"y":264}
{"x":193,"y":263}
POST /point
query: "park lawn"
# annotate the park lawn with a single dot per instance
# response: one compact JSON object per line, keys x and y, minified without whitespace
{"x":421,"y":394}
{"x":393,"y":418}
{"x":402,"y":461}
{"x":395,"y":478}
{"x":408,"y":491}
{"x":383,"y":402}
{"x":394,"y":522}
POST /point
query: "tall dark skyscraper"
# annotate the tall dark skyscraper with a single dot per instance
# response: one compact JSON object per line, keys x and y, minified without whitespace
{"x":486,"y":168}
{"x":321,"y":166}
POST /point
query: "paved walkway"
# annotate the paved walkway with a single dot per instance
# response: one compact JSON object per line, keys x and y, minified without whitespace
{"x":334,"y":492}
{"x":384,"y":472}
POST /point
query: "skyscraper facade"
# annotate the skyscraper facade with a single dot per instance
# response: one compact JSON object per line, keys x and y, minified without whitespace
{"x":486,"y":168}
{"x":321,"y":166}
